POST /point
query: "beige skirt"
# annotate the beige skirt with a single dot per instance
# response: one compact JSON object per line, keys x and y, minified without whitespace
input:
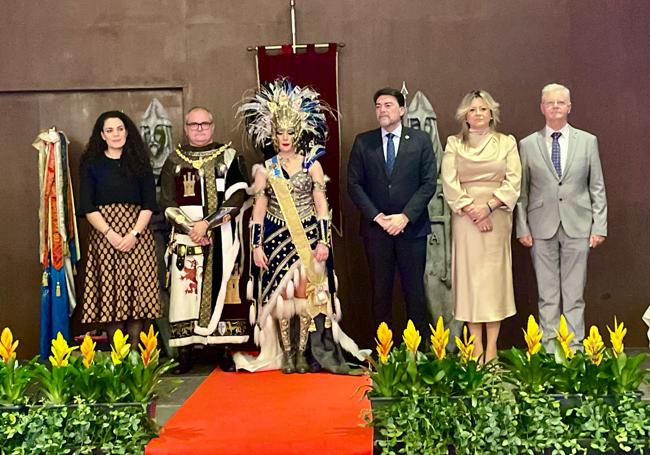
{"x":482,"y":263}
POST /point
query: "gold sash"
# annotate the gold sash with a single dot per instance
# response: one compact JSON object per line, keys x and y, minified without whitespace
{"x":317,"y":294}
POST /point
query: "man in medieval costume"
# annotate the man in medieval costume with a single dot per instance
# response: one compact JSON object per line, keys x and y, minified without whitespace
{"x":203,"y":189}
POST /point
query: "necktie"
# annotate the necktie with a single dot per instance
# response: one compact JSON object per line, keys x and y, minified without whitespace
{"x":555,"y":153}
{"x":390,"y":153}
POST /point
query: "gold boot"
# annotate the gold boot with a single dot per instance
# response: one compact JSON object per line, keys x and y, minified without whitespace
{"x":288,"y":365}
{"x":302,"y":366}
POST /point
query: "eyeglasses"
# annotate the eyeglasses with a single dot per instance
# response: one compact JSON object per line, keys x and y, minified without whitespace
{"x":199,"y":126}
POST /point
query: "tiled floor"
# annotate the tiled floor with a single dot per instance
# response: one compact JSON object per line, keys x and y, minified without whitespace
{"x":167,"y":406}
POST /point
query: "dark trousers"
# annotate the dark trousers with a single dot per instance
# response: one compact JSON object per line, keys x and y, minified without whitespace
{"x":384,"y":253}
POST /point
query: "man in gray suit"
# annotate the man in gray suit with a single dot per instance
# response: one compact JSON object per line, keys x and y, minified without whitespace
{"x":561,"y":213}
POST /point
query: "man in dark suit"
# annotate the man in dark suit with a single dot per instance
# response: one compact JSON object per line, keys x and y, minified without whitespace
{"x":391,"y":178}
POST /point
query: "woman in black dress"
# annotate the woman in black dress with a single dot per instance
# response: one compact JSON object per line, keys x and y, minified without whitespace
{"x":118,"y":197}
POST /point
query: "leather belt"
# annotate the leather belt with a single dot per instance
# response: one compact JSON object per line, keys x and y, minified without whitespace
{"x":185,"y":250}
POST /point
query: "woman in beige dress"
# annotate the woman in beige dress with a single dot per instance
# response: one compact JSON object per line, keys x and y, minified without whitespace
{"x":481,"y":175}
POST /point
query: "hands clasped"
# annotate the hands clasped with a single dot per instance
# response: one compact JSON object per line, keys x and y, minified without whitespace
{"x":480,"y":216}
{"x":393,"y":224}
{"x":123,"y":244}
{"x":198,"y":234}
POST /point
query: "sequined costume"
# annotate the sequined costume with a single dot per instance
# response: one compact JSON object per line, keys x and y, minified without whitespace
{"x":296,"y":311}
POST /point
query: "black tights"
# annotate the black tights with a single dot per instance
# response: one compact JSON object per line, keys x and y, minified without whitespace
{"x":132,"y":327}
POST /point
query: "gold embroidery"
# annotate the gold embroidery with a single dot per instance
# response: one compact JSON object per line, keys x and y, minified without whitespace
{"x":189,"y":180}
{"x":317,"y":282}
{"x":232,"y":289}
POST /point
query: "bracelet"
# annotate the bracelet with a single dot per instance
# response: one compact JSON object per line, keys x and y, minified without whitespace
{"x":324,"y":233}
{"x":489,"y":208}
{"x":105,"y":233}
{"x":257,"y":236}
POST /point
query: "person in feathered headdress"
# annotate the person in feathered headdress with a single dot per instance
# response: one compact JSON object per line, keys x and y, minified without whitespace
{"x":293,"y":268}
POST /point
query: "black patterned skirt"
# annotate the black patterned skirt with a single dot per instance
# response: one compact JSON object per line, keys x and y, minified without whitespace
{"x":120,"y":286}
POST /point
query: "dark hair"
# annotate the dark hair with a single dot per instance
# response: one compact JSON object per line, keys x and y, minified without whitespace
{"x":391,"y":92}
{"x":135,"y":154}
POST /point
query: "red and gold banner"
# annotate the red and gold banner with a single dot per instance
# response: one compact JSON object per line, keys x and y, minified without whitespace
{"x":318,"y":68}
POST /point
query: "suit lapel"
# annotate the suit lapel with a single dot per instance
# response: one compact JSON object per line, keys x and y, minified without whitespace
{"x":377,"y":150}
{"x":543,"y":150}
{"x":571,"y":146}
{"x":402,"y":150}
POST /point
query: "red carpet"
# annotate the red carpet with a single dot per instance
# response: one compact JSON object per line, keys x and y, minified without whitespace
{"x":269,"y":413}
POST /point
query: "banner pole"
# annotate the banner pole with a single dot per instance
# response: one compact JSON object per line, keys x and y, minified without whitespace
{"x":292,"y":4}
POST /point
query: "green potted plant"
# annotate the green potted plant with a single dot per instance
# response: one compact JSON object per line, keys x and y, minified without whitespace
{"x":14,"y":377}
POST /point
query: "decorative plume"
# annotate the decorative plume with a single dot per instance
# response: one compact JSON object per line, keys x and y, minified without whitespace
{"x":281,"y":104}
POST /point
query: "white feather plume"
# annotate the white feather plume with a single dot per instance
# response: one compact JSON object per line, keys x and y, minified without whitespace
{"x":256,"y":335}
{"x":290,"y":289}
{"x":249,"y":289}
{"x":252,"y":314}
{"x":279,"y":307}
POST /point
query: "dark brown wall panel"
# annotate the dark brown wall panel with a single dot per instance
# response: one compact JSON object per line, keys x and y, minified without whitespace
{"x":19,"y":267}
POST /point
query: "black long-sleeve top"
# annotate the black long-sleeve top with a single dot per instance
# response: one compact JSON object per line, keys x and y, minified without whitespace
{"x":103,"y":182}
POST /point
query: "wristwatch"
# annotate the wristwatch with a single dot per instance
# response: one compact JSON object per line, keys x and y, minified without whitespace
{"x":135,"y":234}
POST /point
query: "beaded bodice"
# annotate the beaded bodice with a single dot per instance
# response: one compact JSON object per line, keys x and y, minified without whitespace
{"x":301,"y":186}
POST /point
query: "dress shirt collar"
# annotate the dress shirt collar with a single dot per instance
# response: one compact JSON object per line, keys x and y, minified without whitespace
{"x":564,"y":130}
{"x":397,"y":132}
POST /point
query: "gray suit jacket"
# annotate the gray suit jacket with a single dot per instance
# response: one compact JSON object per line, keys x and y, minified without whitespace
{"x":577,"y":200}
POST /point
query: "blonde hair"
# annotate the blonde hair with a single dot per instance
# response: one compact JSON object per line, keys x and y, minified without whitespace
{"x":464,"y":107}
{"x":550,"y":88}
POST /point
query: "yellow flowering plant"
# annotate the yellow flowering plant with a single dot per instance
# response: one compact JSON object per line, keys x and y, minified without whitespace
{"x":14,"y":377}
{"x":113,"y":374}
{"x":464,"y":375}
{"x":564,"y":337}
{"x":403,"y":370}
{"x":88,"y":380}
{"x":439,"y":339}
{"x":582,"y":372}
{"x":385,"y":372}
{"x":55,"y":382}
{"x":144,"y":371}
{"x":627,"y":372}
{"x":412,"y":340}
{"x":598,"y":370}
{"x":532,"y":370}
{"x":384,"y":342}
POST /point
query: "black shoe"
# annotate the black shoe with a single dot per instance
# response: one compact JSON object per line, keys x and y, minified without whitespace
{"x":226,"y":363}
{"x":288,"y":365}
{"x":302,"y":366}
{"x":184,"y":360}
